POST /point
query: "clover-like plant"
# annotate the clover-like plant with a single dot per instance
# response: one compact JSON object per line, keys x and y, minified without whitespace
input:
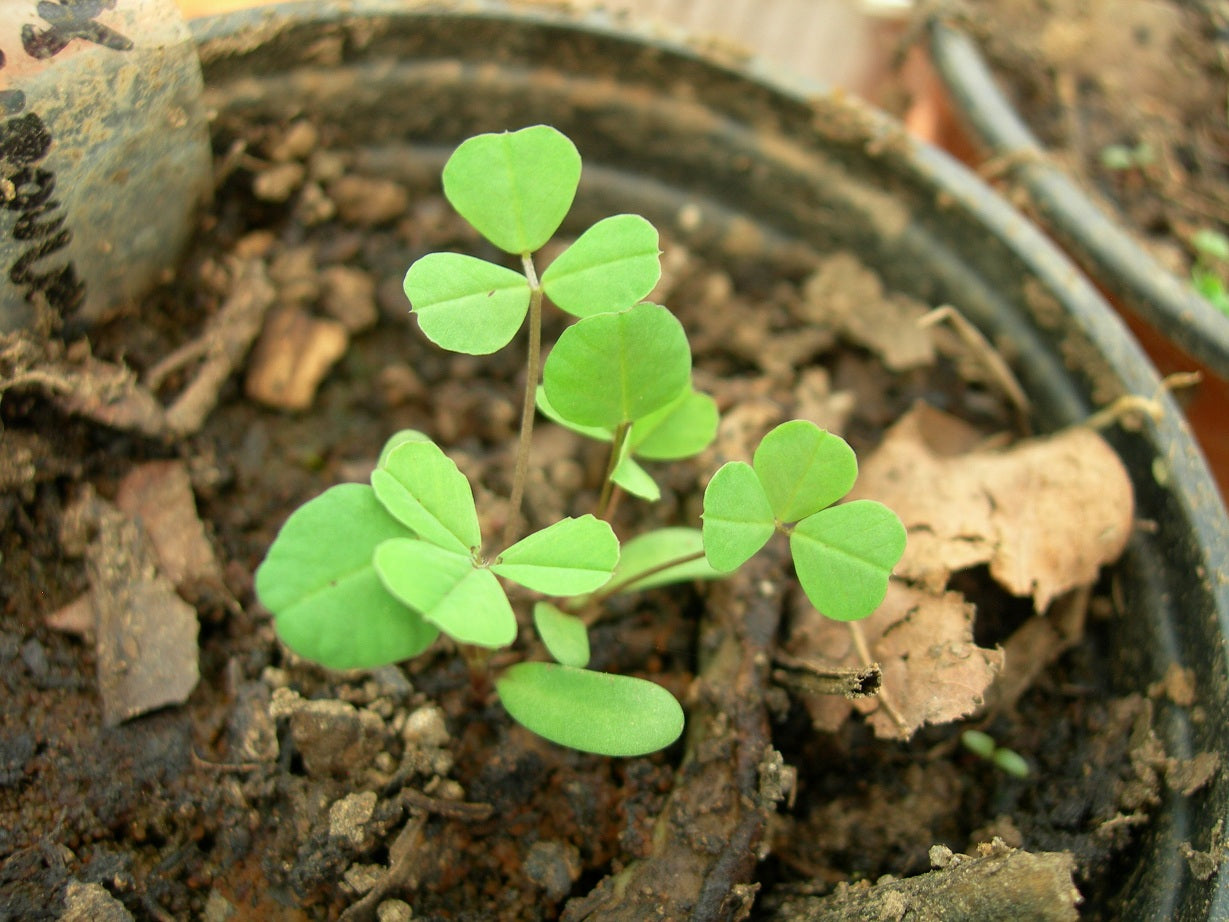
{"x":843,"y":554}
{"x":369,"y":574}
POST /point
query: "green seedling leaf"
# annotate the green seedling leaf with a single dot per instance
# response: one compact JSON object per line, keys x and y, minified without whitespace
{"x":397,"y":439}
{"x":609,"y":369}
{"x":1210,"y":243}
{"x":424,"y":490}
{"x":844,"y":555}
{"x":803,"y":469}
{"x":648,"y":552}
{"x":611,"y":715}
{"x":516,"y":187}
{"x":1010,"y":761}
{"x":681,"y":429}
{"x":565,"y":636}
{"x":610,"y":267}
{"x":465,"y":602}
{"x":978,"y":743}
{"x":465,"y":304}
{"x":327,"y":601}
{"x":635,"y":480}
{"x":571,"y":557}
{"x":597,"y":433}
{"x":738,"y":519}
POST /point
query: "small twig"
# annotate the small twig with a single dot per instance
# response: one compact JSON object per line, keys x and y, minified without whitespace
{"x":175,"y":360}
{"x":985,"y":353}
{"x":864,"y":653}
{"x":52,"y":382}
{"x":202,"y":762}
{"x":818,"y":680}
{"x":1133,"y":404}
{"x":453,"y":809}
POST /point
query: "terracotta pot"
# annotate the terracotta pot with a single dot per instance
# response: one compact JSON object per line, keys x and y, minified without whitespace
{"x":747,"y":163}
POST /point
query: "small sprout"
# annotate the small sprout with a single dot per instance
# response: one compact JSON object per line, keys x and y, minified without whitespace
{"x":362,"y":576}
{"x":1211,"y":268}
{"x":1011,"y":762}
{"x":1119,"y":157}
{"x":978,"y":743}
{"x":1211,"y":244}
{"x":983,"y":745}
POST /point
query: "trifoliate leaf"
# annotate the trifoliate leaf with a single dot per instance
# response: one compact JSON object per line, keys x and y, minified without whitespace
{"x":327,"y":601}
{"x":465,"y":602}
{"x":844,"y":555}
{"x":803,"y":469}
{"x":465,"y":304}
{"x":611,"y":715}
{"x":423,"y":489}
{"x":738,"y":520}
{"x":610,"y":267}
{"x":648,"y":552}
{"x":565,"y":636}
{"x":572,"y":556}
{"x":515,"y":188}
{"x":609,"y":369}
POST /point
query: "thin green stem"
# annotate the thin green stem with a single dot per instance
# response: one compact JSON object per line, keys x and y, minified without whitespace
{"x":614,"y":588}
{"x":616,"y":452}
{"x":533,"y":369}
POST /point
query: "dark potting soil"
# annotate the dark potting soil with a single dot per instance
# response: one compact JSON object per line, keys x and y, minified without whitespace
{"x":280,"y":791}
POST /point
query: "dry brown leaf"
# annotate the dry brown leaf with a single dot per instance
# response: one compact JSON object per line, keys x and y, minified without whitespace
{"x":844,"y":295}
{"x":1046,"y":514}
{"x":933,"y":672}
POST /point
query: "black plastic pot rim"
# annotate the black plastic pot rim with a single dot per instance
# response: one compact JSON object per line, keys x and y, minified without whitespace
{"x":1095,"y":239}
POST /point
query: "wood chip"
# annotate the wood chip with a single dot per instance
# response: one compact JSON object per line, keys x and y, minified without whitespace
{"x":293,"y":355}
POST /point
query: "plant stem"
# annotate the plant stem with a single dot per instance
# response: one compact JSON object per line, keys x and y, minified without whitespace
{"x":616,"y":452}
{"x":533,"y":368}
{"x":612,"y":588}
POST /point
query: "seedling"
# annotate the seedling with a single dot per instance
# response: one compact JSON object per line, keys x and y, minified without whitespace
{"x":1006,"y":760}
{"x":369,"y":574}
{"x":1211,"y":267}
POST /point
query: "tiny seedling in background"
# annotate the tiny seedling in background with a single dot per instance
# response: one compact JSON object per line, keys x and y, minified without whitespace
{"x":983,"y":745}
{"x":1211,"y":268}
{"x":369,"y":574}
{"x":1119,"y":157}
